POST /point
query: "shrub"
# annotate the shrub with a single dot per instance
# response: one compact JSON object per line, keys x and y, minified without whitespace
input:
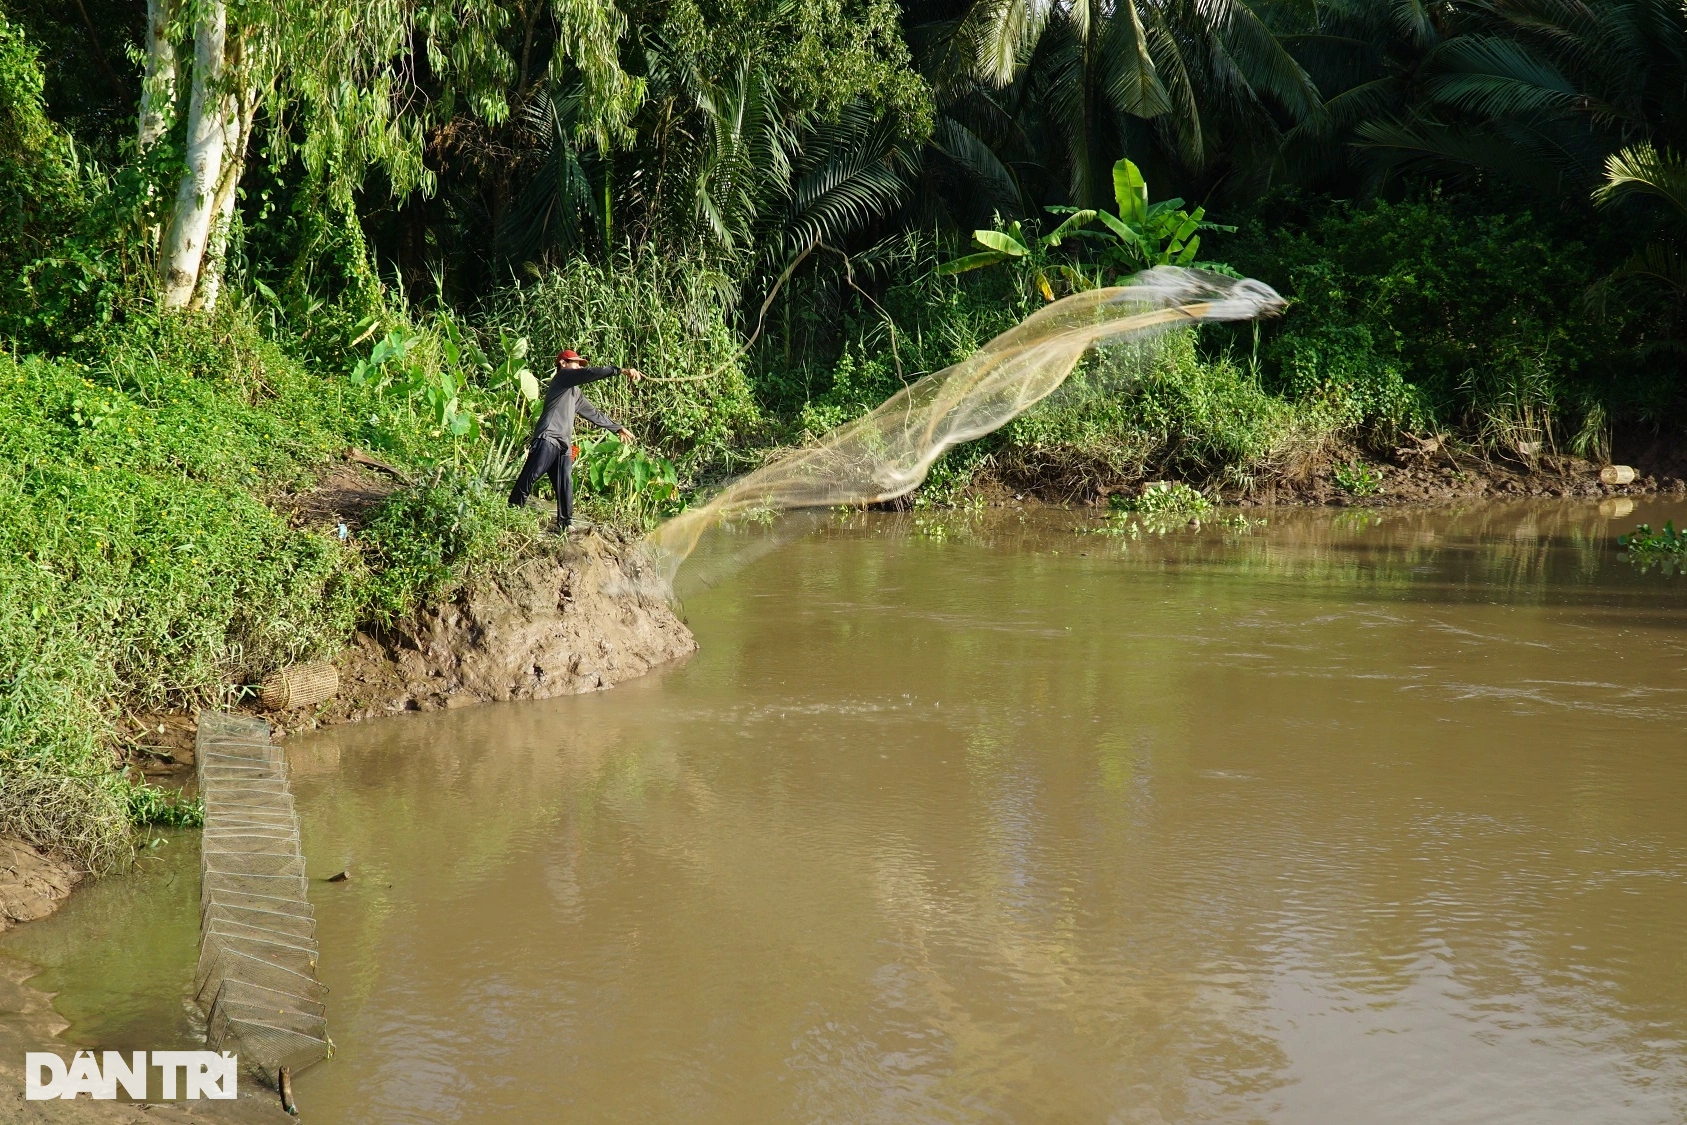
{"x":1204,"y":419}
{"x":1407,"y":315}
{"x":670,"y":321}
{"x":426,"y":537}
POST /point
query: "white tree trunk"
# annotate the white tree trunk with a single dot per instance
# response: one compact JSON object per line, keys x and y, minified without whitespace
{"x":207,"y":126}
{"x":236,"y":133}
{"x":158,"y":88}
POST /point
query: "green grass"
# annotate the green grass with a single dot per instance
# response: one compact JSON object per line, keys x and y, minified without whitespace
{"x":143,"y":565}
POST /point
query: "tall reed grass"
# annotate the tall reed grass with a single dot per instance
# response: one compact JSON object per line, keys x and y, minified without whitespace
{"x":672,"y":321}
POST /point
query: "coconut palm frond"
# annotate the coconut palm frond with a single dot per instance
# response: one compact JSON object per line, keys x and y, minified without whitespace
{"x":1413,"y":19}
{"x":1183,"y":127}
{"x":851,"y":172}
{"x":1643,"y":169}
{"x":747,"y":149}
{"x":1493,"y":77}
{"x":1130,"y":80}
{"x":1265,"y":63}
{"x":961,"y":145}
{"x":557,"y":207}
{"x":1450,"y":149}
{"x":1656,"y":262}
{"x":1001,"y":36}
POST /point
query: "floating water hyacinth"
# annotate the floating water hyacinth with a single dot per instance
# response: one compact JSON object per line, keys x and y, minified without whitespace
{"x":1666,"y":549}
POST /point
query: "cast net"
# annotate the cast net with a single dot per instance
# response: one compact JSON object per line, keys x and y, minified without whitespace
{"x":888,"y":451}
{"x":257,"y":940}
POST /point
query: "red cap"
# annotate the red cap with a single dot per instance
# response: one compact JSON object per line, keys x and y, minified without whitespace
{"x":568,"y":353}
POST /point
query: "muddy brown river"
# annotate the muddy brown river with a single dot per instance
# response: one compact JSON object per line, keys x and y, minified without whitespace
{"x":1346,"y":817}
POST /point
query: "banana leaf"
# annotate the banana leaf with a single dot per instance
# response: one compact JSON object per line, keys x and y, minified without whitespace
{"x":971,"y":262}
{"x":1001,"y":242}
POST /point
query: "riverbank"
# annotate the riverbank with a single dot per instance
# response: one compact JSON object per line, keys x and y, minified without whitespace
{"x":201,"y":507}
{"x":581,"y":615}
{"x":567,"y":616}
{"x":1437,"y":476}
{"x":197,"y":511}
{"x":1416,"y":477}
{"x":32,"y":883}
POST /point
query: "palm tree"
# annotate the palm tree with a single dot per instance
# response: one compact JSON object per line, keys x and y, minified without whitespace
{"x":1061,"y":90}
{"x":1540,"y":92}
{"x":1366,"y":59}
{"x":722,"y":169}
{"x":1660,"y":174}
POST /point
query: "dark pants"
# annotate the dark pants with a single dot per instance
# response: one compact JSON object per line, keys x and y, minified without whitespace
{"x":556,"y":458}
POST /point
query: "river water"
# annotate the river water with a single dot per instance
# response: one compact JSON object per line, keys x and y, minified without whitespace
{"x":1341,"y":817}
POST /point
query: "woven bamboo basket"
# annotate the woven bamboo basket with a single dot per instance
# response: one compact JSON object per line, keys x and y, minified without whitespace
{"x":302,"y":685}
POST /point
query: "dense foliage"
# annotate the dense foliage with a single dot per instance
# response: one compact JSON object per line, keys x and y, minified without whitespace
{"x":237,"y":239}
{"x":1431,"y":314}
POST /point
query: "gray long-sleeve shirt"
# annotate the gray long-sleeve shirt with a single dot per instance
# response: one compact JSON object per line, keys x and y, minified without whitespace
{"x":564,"y":399}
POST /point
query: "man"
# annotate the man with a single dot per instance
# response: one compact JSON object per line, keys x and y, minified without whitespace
{"x":552,"y":447}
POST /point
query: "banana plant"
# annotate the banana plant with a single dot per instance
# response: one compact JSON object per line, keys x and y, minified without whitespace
{"x":1147,"y":234}
{"x":1012,"y":243}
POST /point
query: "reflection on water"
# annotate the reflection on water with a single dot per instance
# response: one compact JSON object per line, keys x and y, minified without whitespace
{"x":120,"y":954}
{"x":1352,"y":817}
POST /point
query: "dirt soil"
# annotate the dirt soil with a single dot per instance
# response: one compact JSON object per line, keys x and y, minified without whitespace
{"x":1439,"y":478}
{"x":1430,"y":474}
{"x":345,"y":491}
{"x":32,"y":884}
{"x":584,"y":617}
